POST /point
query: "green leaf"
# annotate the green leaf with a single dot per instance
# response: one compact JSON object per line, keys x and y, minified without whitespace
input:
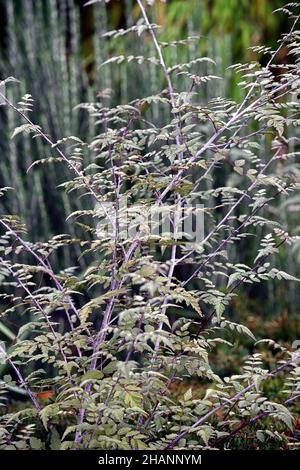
{"x":27,"y":128}
{"x":55,"y":441}
{"x":188,"y":395}
{"x":36,"y":444}
{"x":7,"y":332}
{"x":48,"y":412}
{"x":92,"y":375}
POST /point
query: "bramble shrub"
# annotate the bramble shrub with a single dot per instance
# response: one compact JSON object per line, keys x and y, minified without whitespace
{"x":99,"y":351}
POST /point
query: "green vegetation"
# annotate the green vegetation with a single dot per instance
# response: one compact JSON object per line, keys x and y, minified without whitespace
{"x":143,"y":339}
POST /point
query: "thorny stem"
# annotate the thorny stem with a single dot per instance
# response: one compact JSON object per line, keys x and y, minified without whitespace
{"x":272,"y":58}
{"x":259,"y":263}
{"x":259,"y":101}
{"x":226,"y":217}
{"x":179,"y":140}
{"x":234,"y":399}
{"x":21,"y":380}
{"x":252,"y":421}
{"x":116,"y":284}
{"x":42,"y":263}
{"x":38,"y":306}
{"x":54,"y":146}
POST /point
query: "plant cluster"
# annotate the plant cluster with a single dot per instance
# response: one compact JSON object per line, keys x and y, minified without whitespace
{"x":100,"y":348}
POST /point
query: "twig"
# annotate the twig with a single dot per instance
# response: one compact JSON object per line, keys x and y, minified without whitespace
{"x":234,"y":399}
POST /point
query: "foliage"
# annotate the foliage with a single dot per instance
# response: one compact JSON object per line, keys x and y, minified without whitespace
{"x":104,"y":381}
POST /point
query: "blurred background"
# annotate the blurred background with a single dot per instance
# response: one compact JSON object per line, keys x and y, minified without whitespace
{"x":55,"y":49}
